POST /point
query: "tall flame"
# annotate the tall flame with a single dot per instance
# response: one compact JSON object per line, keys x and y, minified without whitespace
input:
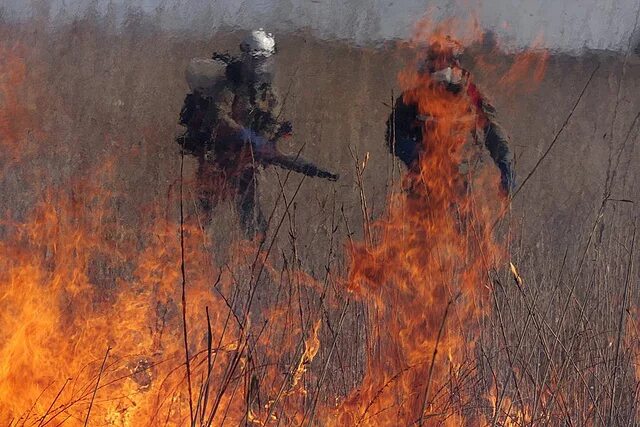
{"x":427,"y":275}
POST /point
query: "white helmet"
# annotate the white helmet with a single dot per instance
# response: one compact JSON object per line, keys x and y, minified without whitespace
{"x":259,"y":43}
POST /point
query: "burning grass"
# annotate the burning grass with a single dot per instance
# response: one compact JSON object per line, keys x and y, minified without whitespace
{"x":108,"y":320}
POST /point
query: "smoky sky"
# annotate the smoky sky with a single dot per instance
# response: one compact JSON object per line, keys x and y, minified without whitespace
{"x":564,"y":25}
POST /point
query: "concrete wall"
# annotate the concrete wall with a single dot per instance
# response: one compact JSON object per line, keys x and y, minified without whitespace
{"x":565,"y":25}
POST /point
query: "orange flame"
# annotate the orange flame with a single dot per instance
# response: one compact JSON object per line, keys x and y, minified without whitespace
{"x":528,"y":66}
{"x":428,"y":272}
{"x":76,"y":348}
{"x":311,"y":347}
{"x":90,"y":308}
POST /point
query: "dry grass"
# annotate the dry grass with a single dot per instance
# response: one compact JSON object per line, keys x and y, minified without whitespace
{"x":560,"y":346}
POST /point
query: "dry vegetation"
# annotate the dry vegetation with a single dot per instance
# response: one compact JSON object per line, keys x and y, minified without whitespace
{"x":104,"y":261}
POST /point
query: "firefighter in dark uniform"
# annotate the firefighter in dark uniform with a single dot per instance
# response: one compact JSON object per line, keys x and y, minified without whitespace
{"x":232,"y":130}
{"x":405,"y":125}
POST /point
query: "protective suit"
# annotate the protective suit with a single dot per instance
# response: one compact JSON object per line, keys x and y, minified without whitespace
{"x":232,"y":130}
{"x":405,"y":125}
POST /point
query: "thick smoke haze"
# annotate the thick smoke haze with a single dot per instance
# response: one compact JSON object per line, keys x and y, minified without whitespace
{"x":562,"y":25}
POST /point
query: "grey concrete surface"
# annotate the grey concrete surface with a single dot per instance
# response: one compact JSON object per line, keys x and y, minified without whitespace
{"x":563,"y":25}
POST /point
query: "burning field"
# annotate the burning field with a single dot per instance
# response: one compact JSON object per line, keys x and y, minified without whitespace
{"x":392,"y":297}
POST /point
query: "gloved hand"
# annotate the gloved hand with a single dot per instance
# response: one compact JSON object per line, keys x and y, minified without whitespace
{"x":507,"y":178}
{"x":258,"y":142}
{"x":285,"y":129}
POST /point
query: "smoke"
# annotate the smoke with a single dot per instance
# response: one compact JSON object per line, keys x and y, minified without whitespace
{"x":565,"y":25}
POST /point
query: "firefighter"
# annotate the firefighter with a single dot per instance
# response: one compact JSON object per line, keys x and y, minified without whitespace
{"x":232,"y":130}
{"x":405,"y":125}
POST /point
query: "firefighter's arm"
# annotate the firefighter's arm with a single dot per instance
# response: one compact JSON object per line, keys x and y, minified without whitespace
{"x":223,"y":108}
{"x":223,"y":105}
{"x":268,"y":103}
{"x":497,"y":142}
{"x":495,"y":139}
